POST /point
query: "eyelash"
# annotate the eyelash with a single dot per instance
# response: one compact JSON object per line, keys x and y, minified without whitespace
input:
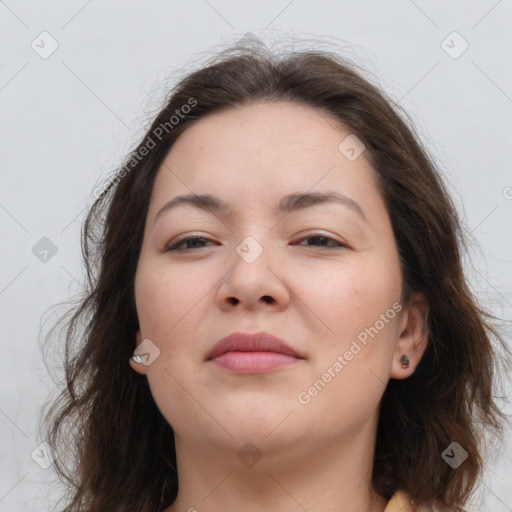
{"x":175,"y":246}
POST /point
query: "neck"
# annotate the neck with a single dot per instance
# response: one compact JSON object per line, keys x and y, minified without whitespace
{"x":328,"y":475}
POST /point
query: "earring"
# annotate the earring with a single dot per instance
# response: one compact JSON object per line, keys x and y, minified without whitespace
{"x":404,"y":361}
{"x":136,"y":359}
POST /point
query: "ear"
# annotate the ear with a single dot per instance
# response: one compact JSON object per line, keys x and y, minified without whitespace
{"x":138,"y":367}
{"x":413,"y":336}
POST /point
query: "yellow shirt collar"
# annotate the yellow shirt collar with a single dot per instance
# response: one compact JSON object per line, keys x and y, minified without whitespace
{"x":401,"y":502}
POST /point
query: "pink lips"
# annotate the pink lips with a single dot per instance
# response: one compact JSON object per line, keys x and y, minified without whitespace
{"x":252,"y":353}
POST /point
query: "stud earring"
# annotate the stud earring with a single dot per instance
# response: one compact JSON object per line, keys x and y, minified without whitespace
{"x":136,"y":359}
{"x":404,"y":361}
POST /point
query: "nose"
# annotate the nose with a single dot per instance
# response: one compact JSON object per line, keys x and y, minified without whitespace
{"x":254,"y":283}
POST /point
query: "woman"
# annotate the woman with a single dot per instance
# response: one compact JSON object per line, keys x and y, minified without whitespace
{"x":280,"y":263}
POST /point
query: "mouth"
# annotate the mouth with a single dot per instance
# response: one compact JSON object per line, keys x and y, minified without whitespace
{"x":252,"y":353}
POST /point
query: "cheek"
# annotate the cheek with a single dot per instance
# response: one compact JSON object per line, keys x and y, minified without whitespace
{"x":348,"y":299}
{"x":350,"y":368}
{"x":165,"y":296}
{"x":168,"y":306}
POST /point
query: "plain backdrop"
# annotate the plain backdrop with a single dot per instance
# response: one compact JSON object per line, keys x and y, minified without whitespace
{"x":80,"y":79}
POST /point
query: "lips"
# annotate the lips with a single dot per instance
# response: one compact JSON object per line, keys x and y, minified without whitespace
{"x":258,"y":342}
{"x":252,"y":353}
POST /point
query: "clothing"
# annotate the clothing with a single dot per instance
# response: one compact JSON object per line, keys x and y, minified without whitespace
{"x":401,"y":502}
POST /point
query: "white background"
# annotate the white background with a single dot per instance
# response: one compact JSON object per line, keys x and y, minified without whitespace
{"x":68,"y":120}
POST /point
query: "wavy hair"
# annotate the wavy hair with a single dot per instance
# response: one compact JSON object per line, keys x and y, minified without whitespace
{"x":116,"y":450}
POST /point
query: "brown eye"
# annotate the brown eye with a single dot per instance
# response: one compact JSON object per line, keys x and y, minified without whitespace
{"x":322,"y":241}
{"x":191,"y":243}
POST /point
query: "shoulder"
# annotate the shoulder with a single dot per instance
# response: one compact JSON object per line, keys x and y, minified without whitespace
{"x":401,"y":502}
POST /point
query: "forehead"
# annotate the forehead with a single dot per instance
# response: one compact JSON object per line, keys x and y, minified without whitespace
{"x":284,"y":131}
{"x":262,"y":152}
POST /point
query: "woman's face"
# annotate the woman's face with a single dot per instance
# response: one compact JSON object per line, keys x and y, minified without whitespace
{"x":323,"y":276}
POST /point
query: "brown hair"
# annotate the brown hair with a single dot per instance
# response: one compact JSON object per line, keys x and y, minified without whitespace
{"x":121,"y":447}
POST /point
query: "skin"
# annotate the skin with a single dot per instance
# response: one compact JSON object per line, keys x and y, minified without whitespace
{"x":313,"y":293}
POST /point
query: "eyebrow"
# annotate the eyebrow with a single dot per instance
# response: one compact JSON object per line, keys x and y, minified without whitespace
{"x":289,"y":203}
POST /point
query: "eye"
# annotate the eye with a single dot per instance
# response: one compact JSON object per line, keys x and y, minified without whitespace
{"x":199,"y":242}
{"x":193,"y":241}
{"x":322,"y":239}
